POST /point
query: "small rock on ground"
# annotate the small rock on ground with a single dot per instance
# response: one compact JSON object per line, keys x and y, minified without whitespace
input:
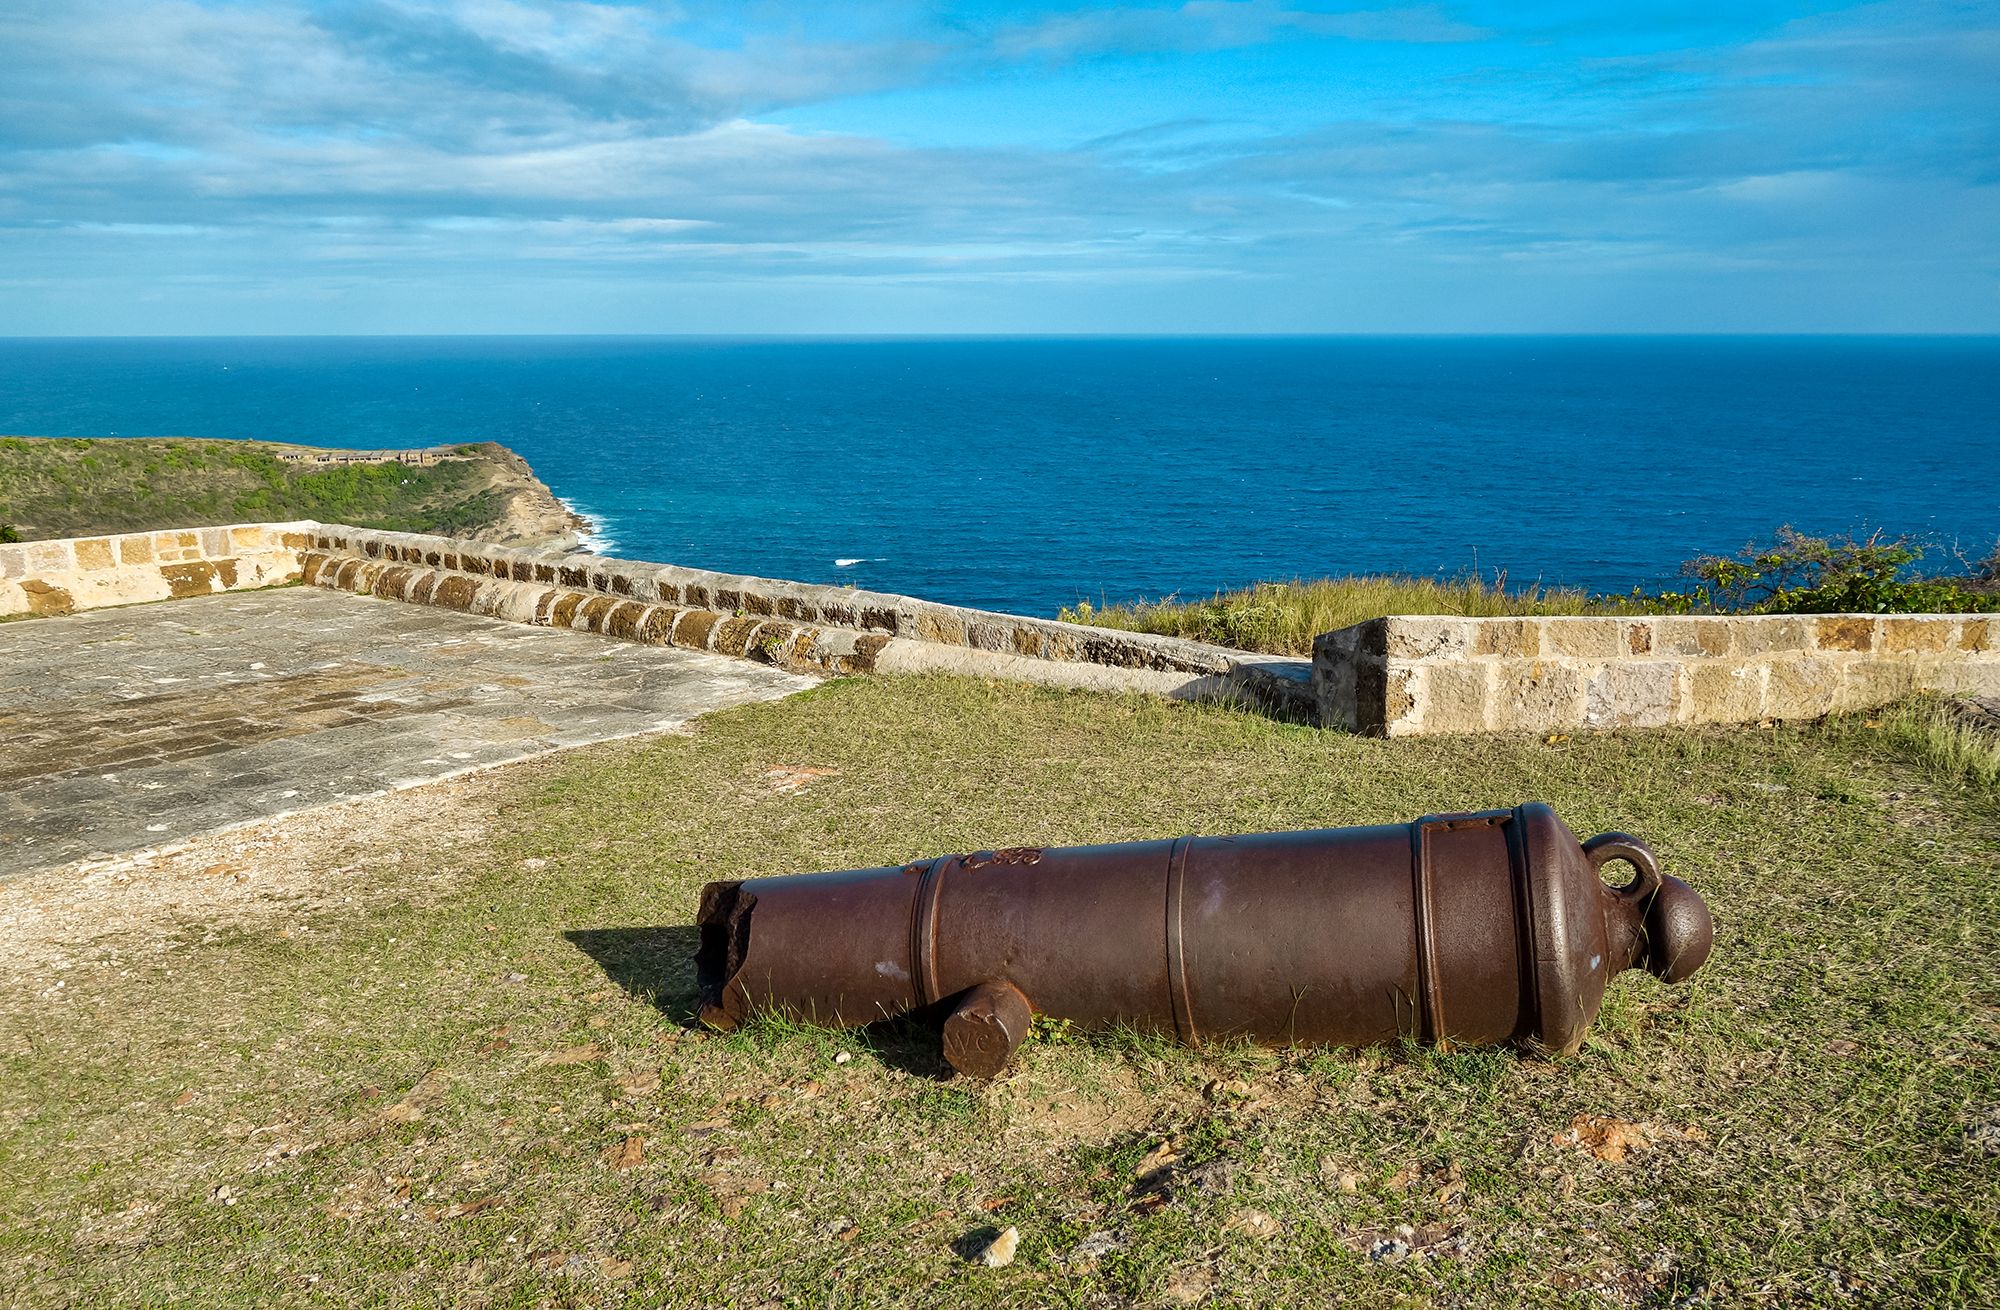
{"x":1000,"y":1251}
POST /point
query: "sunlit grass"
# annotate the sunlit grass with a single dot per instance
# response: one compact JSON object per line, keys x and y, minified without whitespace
{"x":1282,"y":618}
{"x":211,"y":1118}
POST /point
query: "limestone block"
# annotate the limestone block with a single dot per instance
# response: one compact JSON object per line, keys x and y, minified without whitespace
{"x":1537,"y":694}
{"x":865,"y":652}
{"x":1916,"y":635}
{"x":1970,"y":677}
{"x":1362,"y":640}
{"x":194,"y":578}
{"x":696,"y":628}
{"x":1425,"y":637}
{"x":1454,"y":697}
{"x":391,"y":583}
{"x":249,"y":538}
{"x":42,"y":598}
{"x":625,"y":619}
{"x":454,"y":591}
{"x":1638,"y":636}
{"x":95,"y":553}
{"x":1760,"y":634}
{"x":1590,"y":639}
{"x":1508,"y":638}
{"x":1400,"y":689}
{"x":47,"y":557}
{"x":215,"y":542}
{"x":1854,"y":632}
{"x":1976,"y":632}
{"x":1632,"y":694}
{"x":940,"y":625}
{"x":1702,"y":634}
{"x":1866,"y":683}
{"x":658,"y":628}
{"x":13,"y":562}
{"x":1725,"y":691}
{"x":1334,"y":689}
{"x":135,"y":549}
{"x":514,"y":601}
{"x":1804,"y":687}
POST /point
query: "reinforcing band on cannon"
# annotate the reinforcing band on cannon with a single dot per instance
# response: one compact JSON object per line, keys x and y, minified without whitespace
{"x":1457,"y":929}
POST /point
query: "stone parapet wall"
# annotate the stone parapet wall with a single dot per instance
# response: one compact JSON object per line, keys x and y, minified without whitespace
{"x":798,"y":626}
{"x":804,"y":648}
{"x":83,"y":573}
{"x":799,"y":647}
{"x":791,"y":602}
{"x":1402,"y":677}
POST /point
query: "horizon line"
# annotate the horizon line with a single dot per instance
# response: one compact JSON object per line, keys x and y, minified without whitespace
{"x":1922,"y":334}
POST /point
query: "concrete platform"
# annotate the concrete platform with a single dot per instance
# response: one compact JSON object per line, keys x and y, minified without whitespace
{"x":129,"y":728}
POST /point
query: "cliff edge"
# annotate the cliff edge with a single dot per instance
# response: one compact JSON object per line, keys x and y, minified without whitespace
{"x":79,"y":486}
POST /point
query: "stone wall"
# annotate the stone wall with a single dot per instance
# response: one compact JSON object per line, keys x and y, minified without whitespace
{"x":801,"y":626}
{"x":82,"y":573}
{"x":1394,"y":677}
{"x":1402,"y":677}
{"x":795,"y":625}
{"x":771,"y":598}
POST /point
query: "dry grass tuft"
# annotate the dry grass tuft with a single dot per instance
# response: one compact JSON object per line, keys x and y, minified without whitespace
{"x":1282,"y":618}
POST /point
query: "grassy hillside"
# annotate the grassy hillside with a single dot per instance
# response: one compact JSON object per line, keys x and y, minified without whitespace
{"x":439,"y":1073}
{"x":63,"y":487}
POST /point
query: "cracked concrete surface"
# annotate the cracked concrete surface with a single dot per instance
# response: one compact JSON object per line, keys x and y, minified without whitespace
{"x":125,"y":729}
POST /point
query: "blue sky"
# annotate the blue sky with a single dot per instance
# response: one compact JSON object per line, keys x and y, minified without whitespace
{"x":251,"y":166}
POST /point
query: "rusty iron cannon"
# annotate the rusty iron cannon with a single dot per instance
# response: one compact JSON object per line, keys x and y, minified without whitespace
{"x":1461,"y":929}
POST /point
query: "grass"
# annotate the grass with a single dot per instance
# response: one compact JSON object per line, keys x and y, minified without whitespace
{"x":1947,"y":741}
{"x":65,"y":487}
{"x":1282,"y":618}
{"x":421,"y":1090}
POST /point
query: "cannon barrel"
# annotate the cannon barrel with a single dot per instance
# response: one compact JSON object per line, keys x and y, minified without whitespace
{"x":1461,"y":929}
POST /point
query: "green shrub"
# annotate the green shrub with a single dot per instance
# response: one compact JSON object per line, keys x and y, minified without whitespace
{"x":1798,"y":574}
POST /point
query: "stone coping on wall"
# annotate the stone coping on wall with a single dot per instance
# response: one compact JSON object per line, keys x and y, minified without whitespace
{"x":83,"y":573}
{"x":801,"y":626}
{"x":1413,"y":676}
{"x":798,"y":602}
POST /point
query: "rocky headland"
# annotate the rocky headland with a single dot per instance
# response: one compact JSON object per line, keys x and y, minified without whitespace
{"x":69,"y":486}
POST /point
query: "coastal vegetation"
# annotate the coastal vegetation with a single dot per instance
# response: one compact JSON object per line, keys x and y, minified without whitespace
{"x":1792,"y":574}
{"x":443,"y":1060}
{"x":1282,"y":618}
{"x":67,"y":487}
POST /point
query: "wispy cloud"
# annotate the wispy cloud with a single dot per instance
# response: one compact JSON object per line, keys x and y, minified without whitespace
{"x":1373,"y":166}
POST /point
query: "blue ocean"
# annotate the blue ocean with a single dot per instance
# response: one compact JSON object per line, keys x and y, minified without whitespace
{"x":1023,"y":475}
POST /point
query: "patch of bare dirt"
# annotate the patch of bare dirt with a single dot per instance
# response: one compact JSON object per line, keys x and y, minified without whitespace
{"x":262,"y":872}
